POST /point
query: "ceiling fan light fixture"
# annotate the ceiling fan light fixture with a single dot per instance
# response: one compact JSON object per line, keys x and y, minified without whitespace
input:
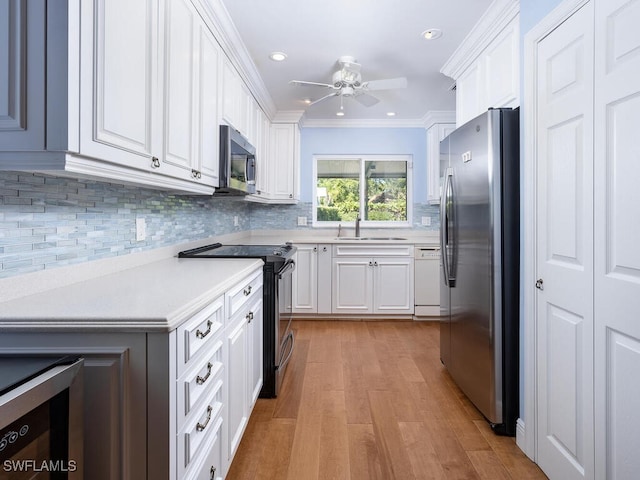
{"x":431,"y":34}
{"x":278,"y":56}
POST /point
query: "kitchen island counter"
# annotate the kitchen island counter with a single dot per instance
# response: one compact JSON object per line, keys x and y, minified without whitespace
{"x":156,"y":297}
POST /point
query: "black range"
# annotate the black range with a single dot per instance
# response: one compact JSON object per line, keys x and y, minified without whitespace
{"x":277,"y":302}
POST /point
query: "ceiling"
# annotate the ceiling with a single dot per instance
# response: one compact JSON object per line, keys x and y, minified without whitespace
{"x":384,"y":36}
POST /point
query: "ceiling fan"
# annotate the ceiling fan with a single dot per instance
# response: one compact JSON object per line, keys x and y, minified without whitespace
{"x":347,"y":83}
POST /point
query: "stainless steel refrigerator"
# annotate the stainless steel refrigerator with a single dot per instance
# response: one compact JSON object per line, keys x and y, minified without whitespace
{"x":479,"y":241}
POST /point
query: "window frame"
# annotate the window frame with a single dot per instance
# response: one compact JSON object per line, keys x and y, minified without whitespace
{"x":408,"y":158}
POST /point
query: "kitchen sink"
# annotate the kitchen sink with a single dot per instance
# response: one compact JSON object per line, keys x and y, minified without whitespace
{"x":381,"y":239}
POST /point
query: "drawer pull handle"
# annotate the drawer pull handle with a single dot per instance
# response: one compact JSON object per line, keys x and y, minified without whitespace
{"x":200,"y":380}
{"x":249,"y":317}
{"x":200,"y":334}
{"x":155,"y":163}
{"x":247,"y":291}
{"x":212,"y":473}
{"x":201,"y":426}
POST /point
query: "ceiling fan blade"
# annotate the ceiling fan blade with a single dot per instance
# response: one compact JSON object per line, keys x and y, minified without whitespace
{"x":386,"y":84}
{"x":366,"y":99}
{"x":325,"y":97}
{"x":303,"y":83}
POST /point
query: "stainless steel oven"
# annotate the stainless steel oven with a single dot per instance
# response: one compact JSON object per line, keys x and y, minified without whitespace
{"x":276,"y":298}
{"x":41,"y":417}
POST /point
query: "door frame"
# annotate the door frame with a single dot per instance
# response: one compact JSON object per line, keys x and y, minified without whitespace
{"x":527,"y":438}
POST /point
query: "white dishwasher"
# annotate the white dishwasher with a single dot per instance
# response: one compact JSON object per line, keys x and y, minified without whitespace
{"x":427,"y":280}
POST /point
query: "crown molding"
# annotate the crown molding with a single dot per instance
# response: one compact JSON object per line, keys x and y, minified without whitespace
{"x":438,"y":116}
{"x":289,"y":116}
{"x":232,"y":45}
{"x":364,"y":123}
{"x":499,"y":14}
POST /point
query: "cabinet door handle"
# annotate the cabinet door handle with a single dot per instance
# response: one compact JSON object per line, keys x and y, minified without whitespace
{"x":155,"y":162}
{"x":201,"y":334}
{"x":375,"y":264}
{"x":201,"y":426}
{"x":212,"y":473}
{"x":196,"y":174}
{"x":247,"y":291}
{"x":371,"y":264}
{"x":315,"y":249}
{"x":540,"y":284}
{"x":324,"y":249}
{"x":249,"y":317}
{"x":200,"y":380}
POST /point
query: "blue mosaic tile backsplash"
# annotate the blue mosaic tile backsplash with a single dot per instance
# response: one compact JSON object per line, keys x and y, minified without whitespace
{"x":48,"y":222}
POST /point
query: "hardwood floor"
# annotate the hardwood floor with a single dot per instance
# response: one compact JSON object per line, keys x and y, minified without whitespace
{"x":371,"y":400}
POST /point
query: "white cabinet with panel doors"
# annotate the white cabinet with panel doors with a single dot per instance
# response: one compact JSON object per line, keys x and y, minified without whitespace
{"x":312,"y":279}
{"x":435,"y":134}
{"x":96,"y":93}
{"x":279,"y":181}
{"x":373,"y":279}
{"x":486,"y":66}
{"x":243,"y":336}
{"x":191,"y":81}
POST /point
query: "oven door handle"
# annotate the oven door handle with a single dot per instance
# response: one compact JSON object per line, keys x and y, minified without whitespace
{"x":290,"y":339}
{"x":289,"y":265}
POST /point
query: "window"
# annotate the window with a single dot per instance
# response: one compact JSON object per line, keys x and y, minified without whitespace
{"x":374,"y":187}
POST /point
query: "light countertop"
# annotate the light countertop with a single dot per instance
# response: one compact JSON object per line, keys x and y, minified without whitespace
{"x":157,"y":296}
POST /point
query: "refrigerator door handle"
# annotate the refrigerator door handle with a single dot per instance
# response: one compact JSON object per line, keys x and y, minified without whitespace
{"x":444,"y":222}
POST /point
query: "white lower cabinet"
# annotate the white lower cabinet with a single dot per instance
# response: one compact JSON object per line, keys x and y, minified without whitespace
{"x":165,"y":405}
{"x":375,"y":279}
{"x":243,"y":338}
{"x":312,"y":279}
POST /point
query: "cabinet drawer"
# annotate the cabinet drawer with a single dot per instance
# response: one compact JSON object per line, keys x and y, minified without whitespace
{"x":197,"y":381}
{"x":242,"y":293}
{"x":210,"y":467}
{"x":200,"y":428}
{"x":373,"y":251}
{"x":199,"y":331}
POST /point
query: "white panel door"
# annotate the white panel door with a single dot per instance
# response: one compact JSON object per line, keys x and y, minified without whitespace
{"x":564,"y":257}
{"x":207,"y":103}
{"x":393,"y":285}
{"x":352,"y":285}
{"x":617,"y":239}
{"x":305,"y":280}
{"x":237,"y":371}
{"x":180,"y":69}
{"x":120,"y":103}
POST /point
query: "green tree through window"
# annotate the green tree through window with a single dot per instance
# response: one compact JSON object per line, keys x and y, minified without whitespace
{"x":376,"y":190}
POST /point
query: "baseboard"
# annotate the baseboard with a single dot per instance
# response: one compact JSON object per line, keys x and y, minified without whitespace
{"x":521,"y":440}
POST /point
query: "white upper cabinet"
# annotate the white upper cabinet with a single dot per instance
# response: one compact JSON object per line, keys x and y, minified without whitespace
{"x":190,"y":79}
{"x":435,"y":134}
{"x":277,"y":166}
{"x":120,"y":107}
{"x":234,"y":98}
{"x":97,"y":97}
{"x":486,"y":65}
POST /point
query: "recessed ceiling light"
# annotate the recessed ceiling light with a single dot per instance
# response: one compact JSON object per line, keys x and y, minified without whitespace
{"x":307,"y":100}
{"x":391,"y":114}
{"x":340,"y":113}
{"x":277,"y":56}
{"x":431,"y":34}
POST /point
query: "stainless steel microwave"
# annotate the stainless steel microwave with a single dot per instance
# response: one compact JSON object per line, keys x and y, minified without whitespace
{"x":237,"y":164}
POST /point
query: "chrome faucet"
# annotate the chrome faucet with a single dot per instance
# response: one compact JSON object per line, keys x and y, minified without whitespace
{"x":339,"y":229}
{"x":358,"y":225}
